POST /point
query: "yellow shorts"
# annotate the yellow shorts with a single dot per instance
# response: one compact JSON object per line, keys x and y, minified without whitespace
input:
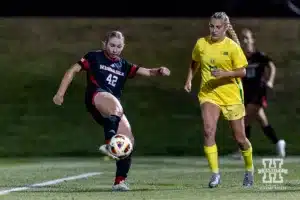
{"x":231,"y":112}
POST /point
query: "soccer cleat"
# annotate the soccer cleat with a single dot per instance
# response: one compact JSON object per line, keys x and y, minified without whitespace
{"x":280,"y":147}
{"x":248,"y":179}
{"x":121,"y":186}
{"x":215,"y":180}
{"x":104,"y":149}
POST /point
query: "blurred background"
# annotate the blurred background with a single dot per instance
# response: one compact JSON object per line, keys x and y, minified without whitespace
{"x":36,"y":51}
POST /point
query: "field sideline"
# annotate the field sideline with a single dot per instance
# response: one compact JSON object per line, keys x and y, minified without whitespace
{"x":150,"y":178}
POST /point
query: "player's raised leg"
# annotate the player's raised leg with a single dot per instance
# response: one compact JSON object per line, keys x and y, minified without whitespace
{"x":238,"y":127}
{"x":270,"y":132}
{"x":210,"y":116}
{"x":114,"y":122}
{"x":112,"y":111}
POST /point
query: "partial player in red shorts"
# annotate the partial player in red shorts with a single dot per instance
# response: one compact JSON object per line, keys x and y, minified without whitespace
{"x":260,"y":75}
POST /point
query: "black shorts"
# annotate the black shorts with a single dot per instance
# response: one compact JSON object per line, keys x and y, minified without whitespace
{"x":91,"y":108}
{"x":256,"y":96}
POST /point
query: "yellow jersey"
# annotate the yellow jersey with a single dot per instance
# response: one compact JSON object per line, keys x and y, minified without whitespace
{"x":226,"y":55}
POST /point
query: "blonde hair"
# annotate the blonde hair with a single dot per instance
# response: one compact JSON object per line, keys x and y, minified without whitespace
{"x":112,"y":34}
{"x":224,"y":17}
{"x":247,"y":30}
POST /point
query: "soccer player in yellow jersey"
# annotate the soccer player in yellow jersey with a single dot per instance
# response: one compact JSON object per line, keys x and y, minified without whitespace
{"x":221,"y":63}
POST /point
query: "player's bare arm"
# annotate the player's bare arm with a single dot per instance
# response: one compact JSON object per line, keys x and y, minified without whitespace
{"x":191,"y":73}
{"x":272,"y":74}
{"x":161,"y":71}
{"x":238,"y":73}
{"x":66,"y":80}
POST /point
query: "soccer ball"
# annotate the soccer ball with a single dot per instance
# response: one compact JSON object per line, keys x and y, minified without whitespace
{"x":120,"y":146}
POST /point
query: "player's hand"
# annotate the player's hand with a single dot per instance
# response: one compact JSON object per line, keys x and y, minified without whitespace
{"x":188,"y":87}
{"x":164,"y":71}
{"x":58,"y":99}
{"x":218,"y":73}
{"x":269,"y":84}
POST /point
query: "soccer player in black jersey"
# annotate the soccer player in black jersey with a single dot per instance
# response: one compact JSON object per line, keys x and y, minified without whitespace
{"x":260,"y":75}
{"x":107,"y":73}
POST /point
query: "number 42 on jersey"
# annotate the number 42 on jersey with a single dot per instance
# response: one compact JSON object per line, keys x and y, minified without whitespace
{"x":112,"y":80}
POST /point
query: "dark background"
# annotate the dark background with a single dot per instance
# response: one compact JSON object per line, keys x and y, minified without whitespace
{"x":166,"y":121}
{"x":234,"y":8}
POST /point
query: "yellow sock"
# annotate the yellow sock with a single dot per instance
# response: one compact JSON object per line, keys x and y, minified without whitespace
{"x":247,"y":155}
{"x":211,"y":153}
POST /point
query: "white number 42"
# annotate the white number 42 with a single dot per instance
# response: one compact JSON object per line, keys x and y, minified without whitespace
{"x":112,"y":80}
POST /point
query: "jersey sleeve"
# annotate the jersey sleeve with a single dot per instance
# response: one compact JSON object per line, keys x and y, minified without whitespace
{"x":238,"y":57}
{"x":85,"y":61}
{"x":196,"y":52}
{"x":131,"y":69}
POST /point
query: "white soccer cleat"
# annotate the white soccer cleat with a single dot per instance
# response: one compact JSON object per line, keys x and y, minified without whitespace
{"x":215,"y":180}
{"x":104,"y":149}
{"x":122,"y":186}
{"x":280,"y":147}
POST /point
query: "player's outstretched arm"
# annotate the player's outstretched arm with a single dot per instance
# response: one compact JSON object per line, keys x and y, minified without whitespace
{"x":161,"y":71}
{"x":65,"y":82}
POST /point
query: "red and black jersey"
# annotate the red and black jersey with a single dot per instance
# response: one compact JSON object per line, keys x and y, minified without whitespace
{"x":106,"y":74}
{"x":257,"y":63}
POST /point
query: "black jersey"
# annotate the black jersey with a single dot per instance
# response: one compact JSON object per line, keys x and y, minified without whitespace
{"x":105,"y":74}
{"x":257,"y":62}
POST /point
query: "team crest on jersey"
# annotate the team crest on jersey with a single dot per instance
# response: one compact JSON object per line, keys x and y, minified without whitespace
{"x":212,"y":61}
{"x":225,"y":53}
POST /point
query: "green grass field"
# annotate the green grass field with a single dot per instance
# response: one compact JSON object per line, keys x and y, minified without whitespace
{"x":150,"y":178}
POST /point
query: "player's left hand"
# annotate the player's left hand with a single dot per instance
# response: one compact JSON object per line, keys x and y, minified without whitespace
{"x":164,"y":71}
{"x":269,"y":84}
{"x":218,"y":73}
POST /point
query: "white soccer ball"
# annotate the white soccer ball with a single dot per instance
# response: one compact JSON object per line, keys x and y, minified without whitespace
{"x":120,"y":146}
